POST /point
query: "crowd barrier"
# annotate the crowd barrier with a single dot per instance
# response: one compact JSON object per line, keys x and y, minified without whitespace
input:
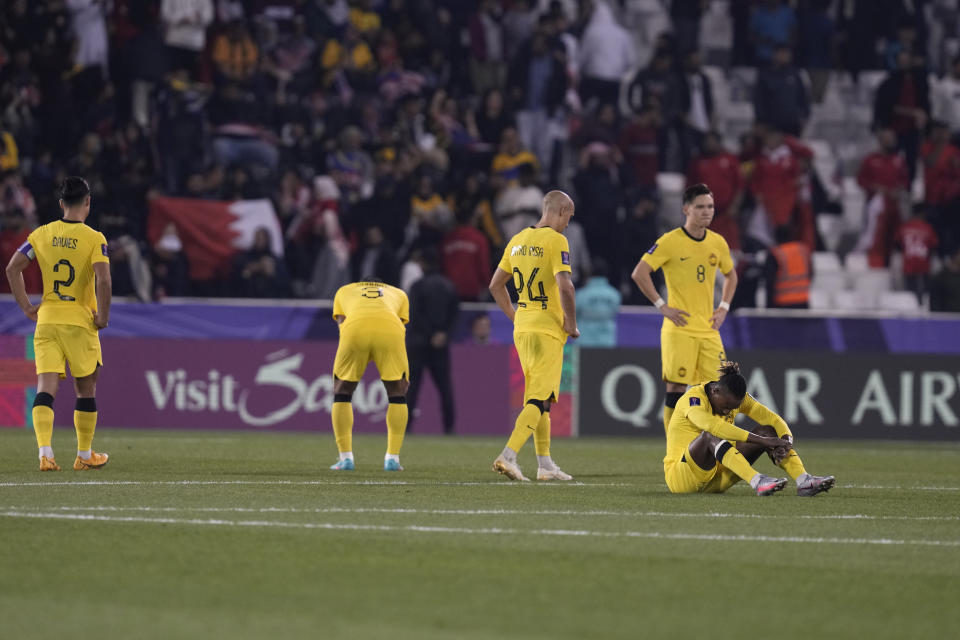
{"x":267,"y":366}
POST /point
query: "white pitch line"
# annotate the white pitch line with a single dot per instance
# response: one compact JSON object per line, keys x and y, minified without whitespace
{"x":402,"y":483}
{"x":484,"y":512}
{"x":484,"y":531}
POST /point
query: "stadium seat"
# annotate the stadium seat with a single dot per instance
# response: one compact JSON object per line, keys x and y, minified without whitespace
{"x":671,"y":186}
{"x":872,"y":280}
{"x":820,"y":299}
{"x":899,"y":301}
{"x":855,"y":300}
{"x":831,"y":229}
{"x":829,"y":281}
{"x":856,"y":263}
{"x":825,"y":262}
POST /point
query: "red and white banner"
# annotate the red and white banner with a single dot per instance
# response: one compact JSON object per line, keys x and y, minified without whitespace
{"x":212,"y":232}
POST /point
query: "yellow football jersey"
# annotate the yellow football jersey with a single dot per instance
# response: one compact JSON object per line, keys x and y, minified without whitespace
{"x":694,"y":415}
{"x":690,"y":268}
{"x":535,"y":256}
{"x":66,"y":252}
{"x":371,"y":300}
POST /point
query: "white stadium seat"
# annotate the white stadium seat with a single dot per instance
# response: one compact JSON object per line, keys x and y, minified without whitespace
{"x":856,"y":263}
{"x":899,"y":301}
{"x":826,"y":262}
{"x":820,"y":299}
{"x":873,"y":280}
{"x":829,"y":281}
{"x":855,"y":300}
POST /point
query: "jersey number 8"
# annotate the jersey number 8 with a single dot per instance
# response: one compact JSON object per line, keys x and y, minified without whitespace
{"x":71,"y":274}
{"x":519,"y":283}
{"x":701,"y":273}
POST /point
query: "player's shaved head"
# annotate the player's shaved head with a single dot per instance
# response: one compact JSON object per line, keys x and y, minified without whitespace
{"x":556,"y":200}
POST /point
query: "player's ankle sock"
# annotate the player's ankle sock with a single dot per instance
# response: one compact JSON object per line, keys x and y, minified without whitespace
{"x":793,"y":465}
{"x":84,"y":455}
{"x":728,"y":456}
{"x":43,"y":419}
{"x":509,"y":455}
{"x":545,"y":462}
{"x":341,"y":415}
{"x":525,"y":426}
{"x":755,"y":480}
{"x":85,"y":422}
{"x":397,"y":414}
{"x":802,"y":477}
{"x":541,"y":437}
{"x":388,"y":457}
{"x":46,"y":452}
{"x":346,"y":455}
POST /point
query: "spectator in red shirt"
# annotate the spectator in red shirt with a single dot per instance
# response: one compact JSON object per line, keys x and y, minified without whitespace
{"x":917,"y":239}
{"x":14,"y":233}
{"x":720,"y":170}
{"x":638,"y":144}
{"x":465,"y":253}
{"x":883,"y":176}
{"x":941,"y":179}
{"x":779,"y":174}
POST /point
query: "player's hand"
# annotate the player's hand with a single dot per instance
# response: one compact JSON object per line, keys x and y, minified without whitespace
{"x":773,"y":444}
{"x":779,"y":453}
{"x":719,"y":315}
{"x":571,"y":329}
{"x":31,"y":311}
{"x":676,"y":316}
{"x":100,"y":321}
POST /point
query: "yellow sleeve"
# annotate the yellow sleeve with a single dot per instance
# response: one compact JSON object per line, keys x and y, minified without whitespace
{"x":404,"y":307}
{"x":560,"y":255}
{"x":331,"y":54}
{"x":338,"y":304}
{"x":706,"y":421}
{"x":763,"y":415}
{"x":100,"y":253}
{"x":726,"y":260}
{"x":657,"y":255}
{"x":505,"y":260}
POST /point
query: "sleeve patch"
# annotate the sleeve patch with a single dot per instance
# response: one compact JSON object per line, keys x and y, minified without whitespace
{"x":27,"y":249}
{"x":694,"y":402}
{"x":652,"y":249}
{"x":565,"y":257}
{"x":103,"y":248}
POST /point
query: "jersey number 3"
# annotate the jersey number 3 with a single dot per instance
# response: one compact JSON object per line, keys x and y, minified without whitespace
{"x":520,"y":284}
{"x":71,"y":274}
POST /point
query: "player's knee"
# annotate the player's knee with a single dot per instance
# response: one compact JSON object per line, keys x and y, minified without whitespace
{"x":765,"y":430}
{"x":43,"y":399}
{"x":722,"y":448}
{"x":86,"y":404}
{"x":672,"y":398}
{"x":399,"y":399}
{"x":342,"y":397}
{"x":539,"y":404}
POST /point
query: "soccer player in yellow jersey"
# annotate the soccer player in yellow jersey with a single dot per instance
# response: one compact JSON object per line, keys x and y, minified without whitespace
{"x":690,"y":345}
{"x":538,"y":261}
{"x":708,"y":453}
{"x":75,"y":306}
{"x":371,"y":316}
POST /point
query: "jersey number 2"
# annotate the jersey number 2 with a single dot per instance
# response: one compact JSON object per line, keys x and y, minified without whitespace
{"x":71,"y":274}
{"x":528,"y":285}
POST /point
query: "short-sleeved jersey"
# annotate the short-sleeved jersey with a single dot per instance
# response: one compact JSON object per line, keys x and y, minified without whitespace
{"x":362,"y":301}
{"x":690,"y":268}
{"x":694,"y":415}
{"x":534,"y":257}
{"x":66,"y":252}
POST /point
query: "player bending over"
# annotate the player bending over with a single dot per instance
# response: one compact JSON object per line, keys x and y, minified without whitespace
{"x":708,"y":453}
{"x":75,"y":306}
{"x":371,"y":316}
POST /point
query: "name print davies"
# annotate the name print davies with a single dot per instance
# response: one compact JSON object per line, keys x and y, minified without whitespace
{"x":66,"y":243}
{"x":522,"y":250}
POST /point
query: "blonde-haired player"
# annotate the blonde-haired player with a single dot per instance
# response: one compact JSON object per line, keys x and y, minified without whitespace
{"x":75,"y":306}
{"x":690,"y":345}
{"x":372,"y":318}
{"x":538,"y":261}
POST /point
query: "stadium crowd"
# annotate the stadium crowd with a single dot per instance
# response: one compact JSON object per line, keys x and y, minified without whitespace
{"x":389,"y":134}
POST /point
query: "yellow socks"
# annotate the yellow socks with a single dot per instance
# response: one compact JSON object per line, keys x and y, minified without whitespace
{"x":541,"y":437}
{"x":396,"y":424}
{"x":667,"y":414}
{"x":793,"y":465}
{"x":85,"y":422}
{"x":43,"y":419}
{"x":341,"y":414}
{"x":670,"y":401}
{"x":525,"y":426}
{"x":728,"y":456}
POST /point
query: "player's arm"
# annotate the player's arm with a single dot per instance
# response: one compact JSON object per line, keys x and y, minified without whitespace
{"x":15,"y":268}
{"x":641,"y":275}
{"x":726,"y":297}
{"x":498,"y":289}
{"x":707,"y":421}
{"x":104,"y":292}
{"x":762,"y":414}
{"x":568,"y":302}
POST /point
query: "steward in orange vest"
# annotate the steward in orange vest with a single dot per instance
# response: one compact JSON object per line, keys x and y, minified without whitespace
{"x":789,"y":276}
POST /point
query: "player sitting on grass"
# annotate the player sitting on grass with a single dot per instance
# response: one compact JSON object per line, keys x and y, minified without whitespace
{"x":708,"y":453}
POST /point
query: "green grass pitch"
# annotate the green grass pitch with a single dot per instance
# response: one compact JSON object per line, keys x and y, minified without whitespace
{"x":248,"y":535}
